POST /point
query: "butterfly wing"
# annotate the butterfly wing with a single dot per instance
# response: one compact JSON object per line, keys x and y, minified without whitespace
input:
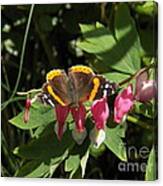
{"x":106,"y":87}
{"x":57,"y":88}
{"x":81,"y":80}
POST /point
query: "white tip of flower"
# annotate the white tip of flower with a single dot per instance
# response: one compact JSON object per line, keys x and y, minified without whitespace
{"x":56,"y":129}
{"x":97,"y":137}
{"x":79,"y":137}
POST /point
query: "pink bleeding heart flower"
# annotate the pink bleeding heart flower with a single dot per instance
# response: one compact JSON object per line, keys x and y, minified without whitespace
{"x":79,"y":114}
{"x":61,"y":115}
{"x":100,"y":112}
{"x":123,"y":104}
{"x":145,"y":89}
{"x":27,"y":112}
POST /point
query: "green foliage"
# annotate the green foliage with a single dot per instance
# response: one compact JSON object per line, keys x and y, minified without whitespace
{"x":116,"y":76}
{"x":121,"y":52}
{"x":114,"y":142}
{"x":151,"y":166}
{"x":46,"y":151}
{"x":115,"y":40}
{"x":147,"y":8}
{"x":36,"y":119}
{"x":72,"y":164}
{"x":83,"y":162}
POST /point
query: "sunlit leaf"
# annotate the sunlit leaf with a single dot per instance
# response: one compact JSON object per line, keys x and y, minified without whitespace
{"x":114,"y":141}
{"x":36,"y":119}
{"x":83,"y":162}
{"x":151,"y":167}
{"x":123,"y":53}
{"x":116,"y":76}
{"x":32,"y":169}
{"x":72,"y":164}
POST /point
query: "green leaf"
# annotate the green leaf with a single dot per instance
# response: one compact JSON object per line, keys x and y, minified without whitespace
{"x":114,"y":141}
{"x":123,"y":53}
{"x":72,"y":164}
{"x":148,"y":109}
{"x":46,"y":146}
{"x":38,"y":168}
{"x":147,"y":8}
{"x":83,"y":162}
{"x":32,"y":169}
{"x":37,"y":119}
{"x":46,"y":151}
{"x":125,"y":31}
{"x":97,"y":152}
{"x":116,"y":76}
{"x":151,"y":166}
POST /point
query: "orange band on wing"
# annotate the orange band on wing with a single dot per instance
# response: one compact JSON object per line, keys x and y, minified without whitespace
{"x":81,"y":68}
{"x":57,"y":98}
{"x":93,"y":93}
{"x":50,"y":75}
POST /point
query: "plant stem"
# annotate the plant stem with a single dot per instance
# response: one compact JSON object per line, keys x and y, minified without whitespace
{"x":138,"y":122}
{"x":136,"y":74}
{"x":5,"y":76}
{"x":21,"y":57}
{"x":29,"y":92}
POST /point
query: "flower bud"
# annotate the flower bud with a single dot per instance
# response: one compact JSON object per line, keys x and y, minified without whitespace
{"x":147,"y":91}
{"x":26,"y":111}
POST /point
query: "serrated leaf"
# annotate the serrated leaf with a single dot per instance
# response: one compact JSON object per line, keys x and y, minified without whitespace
{"x":150,"y":174}
{"x":72,"y":164}
{"x":114,"y":141}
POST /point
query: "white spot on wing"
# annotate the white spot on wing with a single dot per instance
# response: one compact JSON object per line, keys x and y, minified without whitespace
{"x":45,"y":96}
{"x":50,"y":102}
{"x":106,"y":85}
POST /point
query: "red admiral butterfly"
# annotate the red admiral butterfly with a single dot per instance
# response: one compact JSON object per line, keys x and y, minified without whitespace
{"x":80,"y":84}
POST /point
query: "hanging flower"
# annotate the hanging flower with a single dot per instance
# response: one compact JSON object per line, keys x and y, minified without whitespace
{"x":97,"y":137}
{"x":27,"y":110}
{"x":61,"y":115}
{"x":100,"y":112}
{"x":79,"y":114}
{"x":145,"y":89}
{"x":123,"y":104}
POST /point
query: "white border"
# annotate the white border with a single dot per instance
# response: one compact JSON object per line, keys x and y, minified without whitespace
{"x":59,"y":182}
